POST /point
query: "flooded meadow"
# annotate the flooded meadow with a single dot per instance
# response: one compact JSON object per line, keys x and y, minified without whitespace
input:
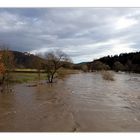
{"x":82,"y":102}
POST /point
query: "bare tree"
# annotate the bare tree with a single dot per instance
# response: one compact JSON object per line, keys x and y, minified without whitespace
{"x":54,"y":61}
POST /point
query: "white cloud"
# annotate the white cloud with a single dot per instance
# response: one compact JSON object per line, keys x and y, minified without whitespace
{"x":124,"y":22}
{"x":124,"y":47}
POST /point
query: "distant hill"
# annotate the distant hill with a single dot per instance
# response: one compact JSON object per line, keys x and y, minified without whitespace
{"x":26,"y":60}
{"x":81,"y":63}
{"x":30,"y":61}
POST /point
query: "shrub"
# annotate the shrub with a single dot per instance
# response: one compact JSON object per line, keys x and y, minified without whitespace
{"x":118,"y":66}
{"x":97,"y":65}
{"x":84,"y":68}
{"x":107,"y":75}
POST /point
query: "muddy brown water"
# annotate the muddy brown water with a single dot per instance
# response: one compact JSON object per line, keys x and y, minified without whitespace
{"x":81,"y":102}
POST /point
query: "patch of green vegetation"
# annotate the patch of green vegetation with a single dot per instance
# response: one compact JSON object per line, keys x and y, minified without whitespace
{"x":27,"y":70}
{"x":26,"y":77}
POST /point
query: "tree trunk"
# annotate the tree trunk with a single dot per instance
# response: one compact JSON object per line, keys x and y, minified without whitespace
{"x":50,"y":78}
{"x":3,"y":79}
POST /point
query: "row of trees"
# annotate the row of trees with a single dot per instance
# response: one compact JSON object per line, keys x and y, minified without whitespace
{"x":51,"y":62}
{"x":124,"y":62}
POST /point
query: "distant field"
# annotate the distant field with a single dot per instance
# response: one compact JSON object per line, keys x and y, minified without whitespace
{"x":23,"y":77}
{"x":28,"y":70}
{"x":27,"y":75}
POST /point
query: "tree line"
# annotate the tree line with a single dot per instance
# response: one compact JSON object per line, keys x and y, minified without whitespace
{"x":51,"y":62}
{"x":129,"y":62}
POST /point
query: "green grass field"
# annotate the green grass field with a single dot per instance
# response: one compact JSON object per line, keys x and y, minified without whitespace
{"x":27,"y":75}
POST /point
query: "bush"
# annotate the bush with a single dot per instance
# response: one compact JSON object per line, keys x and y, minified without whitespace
{"x":97,"y":65}
{"x":107,"y":75}
{"x":84,"y":68}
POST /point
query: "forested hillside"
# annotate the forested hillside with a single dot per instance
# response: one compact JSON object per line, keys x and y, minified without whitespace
{"x":123,"y":62}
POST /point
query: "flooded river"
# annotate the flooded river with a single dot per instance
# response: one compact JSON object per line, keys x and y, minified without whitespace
{"x":81,"y":102}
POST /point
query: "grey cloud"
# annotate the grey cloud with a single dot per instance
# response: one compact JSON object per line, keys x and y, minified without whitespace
{"x":84,"y":33}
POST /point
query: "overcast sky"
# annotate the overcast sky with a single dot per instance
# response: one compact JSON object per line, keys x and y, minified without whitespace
{"x":83,"y":33}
